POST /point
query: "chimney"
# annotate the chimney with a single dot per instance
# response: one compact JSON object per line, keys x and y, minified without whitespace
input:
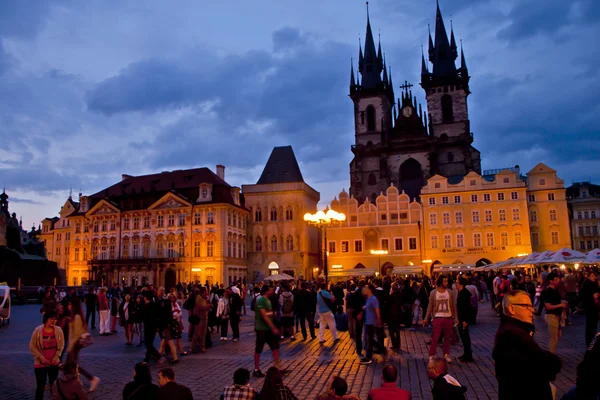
{"x":221,"y":171}
{"x":124,"y":177}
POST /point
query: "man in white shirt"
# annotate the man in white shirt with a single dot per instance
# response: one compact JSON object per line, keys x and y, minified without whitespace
{"x":442,"y":310}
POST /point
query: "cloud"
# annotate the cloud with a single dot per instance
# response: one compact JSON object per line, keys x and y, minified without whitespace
{"x":25,"y":201}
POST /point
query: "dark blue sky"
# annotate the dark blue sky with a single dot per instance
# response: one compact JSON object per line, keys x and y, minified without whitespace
{"x":91,"y":90}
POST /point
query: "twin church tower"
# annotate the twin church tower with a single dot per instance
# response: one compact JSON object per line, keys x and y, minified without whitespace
{"x":396,"y":141}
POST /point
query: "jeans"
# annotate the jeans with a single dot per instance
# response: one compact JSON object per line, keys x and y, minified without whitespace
{"x":553,"y":322}
{"x":310,"y":318}
{"x":465,"y":338}
{"x":41,"y":374}
{"x":90,"y":312}
{"x":327,"y":318}
{"x":371,"y":342}
{"x":104,"y":321}
{"x":441,"y":327}
{"x":224,"y":326}
{"x":234,"y":319}
{"x":358,"y":330}
{"x":149,"y":335}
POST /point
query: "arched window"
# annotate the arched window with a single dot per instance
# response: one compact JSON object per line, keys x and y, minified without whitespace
{"x":258,"y":215}
{"x":289,"y":214}
{"x":542,"y":182}
{"x":579,"y":215}
{"x":447,"y":111}
{"x":372,"y":179}
{"x":258,"y":244}
{"x":586,"y":215}
{"x":273,"y":244}
{"x":289,"y":243}
{"x":273,"y":214}
{"x":370,"y":118}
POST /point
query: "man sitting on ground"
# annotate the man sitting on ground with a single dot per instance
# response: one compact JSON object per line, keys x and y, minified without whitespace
{"x":337,"y":391}
{"x":171,"y":390}
{"x":240,"y":389}
{"x":445,"y":386}
{"x":388,"y":389}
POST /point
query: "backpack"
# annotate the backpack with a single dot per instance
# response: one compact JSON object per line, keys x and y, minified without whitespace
{"x":253,"y":303}
{"x":288,"y":304}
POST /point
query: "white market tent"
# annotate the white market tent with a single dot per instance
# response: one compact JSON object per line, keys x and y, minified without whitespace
{"x":562,"y":256}
{"x":407,"y":270}
{"x":279,"y":277}
{"x":454,"y":268}
{"x":334,"y":272}
{"x":593,"y":256}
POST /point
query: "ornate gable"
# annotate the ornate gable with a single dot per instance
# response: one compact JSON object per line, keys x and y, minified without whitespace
{"x":170,"y":201}
{"x":102,"y":208}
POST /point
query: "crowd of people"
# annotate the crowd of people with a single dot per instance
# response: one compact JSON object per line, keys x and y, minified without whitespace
{"x":370,"y":310}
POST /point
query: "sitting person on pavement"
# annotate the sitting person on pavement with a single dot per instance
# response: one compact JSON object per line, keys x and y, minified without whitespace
{"x":141,"y":388}
{"x":69,"y":386}
{"x":337,"y":391}
{"x":240,"y":389}
{"x":171,"y":390}
{"x":388,"y":389}
{"x":445,"y":386}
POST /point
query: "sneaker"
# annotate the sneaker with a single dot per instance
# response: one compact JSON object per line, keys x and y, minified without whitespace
{"x":337,"y":340}
{"x":281,"y":337}
{"x":293,"y":338}
{"x":448,"y":358}
{"x":222,"y":339}
{"x":94,"y":383}
{"x":257,"y":373}
{"x":175,"y":361}
{"x":321,"y":341}
{"x":365,"y":361}
{"x":235,"y":339}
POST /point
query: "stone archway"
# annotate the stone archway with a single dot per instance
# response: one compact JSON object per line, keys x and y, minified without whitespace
{"x":482,"y":261}
{"x":387,"y":269}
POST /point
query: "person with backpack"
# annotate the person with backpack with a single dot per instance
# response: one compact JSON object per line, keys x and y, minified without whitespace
{"x":286,"y":301}
{"x":326,"y":306}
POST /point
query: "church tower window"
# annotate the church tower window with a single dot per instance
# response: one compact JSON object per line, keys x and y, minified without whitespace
{"x":447,"y":111}
{"x":370,"y":118}
{"x":372,"y":179}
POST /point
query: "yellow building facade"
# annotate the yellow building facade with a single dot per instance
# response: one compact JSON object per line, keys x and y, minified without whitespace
{"x":477,"y":220}
{"x":584,"y":200}
{"x":161,"y":229}
{"x":392,"y":224}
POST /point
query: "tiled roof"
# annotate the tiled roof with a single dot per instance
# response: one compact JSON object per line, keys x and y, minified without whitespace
{"x":282,"y":167}
{"x":140,"y":192}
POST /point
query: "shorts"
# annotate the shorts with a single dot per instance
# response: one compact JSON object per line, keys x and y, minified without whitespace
{"x":267,"y":337}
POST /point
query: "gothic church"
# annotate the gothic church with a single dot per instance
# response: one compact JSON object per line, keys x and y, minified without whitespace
{"x":398,"y":143}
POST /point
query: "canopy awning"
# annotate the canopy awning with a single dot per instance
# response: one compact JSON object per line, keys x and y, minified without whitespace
{"x":351,"y":272}
{"x":562,"y":256}
{"x":454,"y":268}
{"x":407,"y":270}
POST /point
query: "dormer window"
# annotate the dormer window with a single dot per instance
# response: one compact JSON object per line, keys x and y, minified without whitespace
{"x":204,"y":193}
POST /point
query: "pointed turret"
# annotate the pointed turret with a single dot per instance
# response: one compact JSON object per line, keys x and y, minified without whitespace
{"x":390,"y":87}
{"x":371,"y":67}
{"x":379,"y":55}
{"x":453,"y":42}
{"x":431,"y":49}
{"x":424,"y":69}
{"x":443,"y":60}
{"x":385,"y":75}
{"x":360,"y":57}
{"x":463,"y":63}
{"x":352,"y":81}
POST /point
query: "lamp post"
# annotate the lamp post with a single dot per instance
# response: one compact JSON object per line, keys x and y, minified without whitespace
{"x":322,"y":220}
{"x":378,"y":253}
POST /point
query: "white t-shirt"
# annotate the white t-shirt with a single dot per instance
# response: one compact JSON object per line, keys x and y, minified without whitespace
{"x":443,"y":305}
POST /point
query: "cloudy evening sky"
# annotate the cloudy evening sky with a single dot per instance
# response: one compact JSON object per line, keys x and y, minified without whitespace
{"x":90,"y":90}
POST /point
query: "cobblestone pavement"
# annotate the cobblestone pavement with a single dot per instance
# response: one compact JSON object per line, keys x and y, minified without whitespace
{"x":311,"y":365}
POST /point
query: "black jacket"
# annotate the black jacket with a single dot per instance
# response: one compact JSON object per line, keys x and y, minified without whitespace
{"x":357,"y":302}
{"x":174,"y":391}
{"x":136,"y":391}
{"x":235,"y":304}
{"x":517,"y":355}
{"x":395,"y":308}
{"x":463,"y":305}
{"x":444,"y":390}
{"x":302,"y":298}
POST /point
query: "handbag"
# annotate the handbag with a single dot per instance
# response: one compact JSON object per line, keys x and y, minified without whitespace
{"x":85,"y":340}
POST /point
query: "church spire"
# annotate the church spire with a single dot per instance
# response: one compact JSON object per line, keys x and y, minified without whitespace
{"x":360,"y":57}
{"x":443,"y":60}
{"x":424,"y":70}
{"x":371,"y":67}
{"x":463,"y":63}
{"x":453,"y":42}
{"x":352,"y":81}
{"x":385,"y":74}
{"x":379,"y":56}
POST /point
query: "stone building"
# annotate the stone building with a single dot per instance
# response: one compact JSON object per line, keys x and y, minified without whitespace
{"x":584,"y":204}
{"x":396,"y":142}
{"x":179,"y":226}
{"x":392,"y":223}
{"x":279,"y":241}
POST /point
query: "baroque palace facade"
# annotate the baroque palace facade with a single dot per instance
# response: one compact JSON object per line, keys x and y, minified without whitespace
{"x":416,"y":191}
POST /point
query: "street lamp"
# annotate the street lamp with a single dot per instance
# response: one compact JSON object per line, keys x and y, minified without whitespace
{"x":378,"y":253}
{"x":322,"y":220}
